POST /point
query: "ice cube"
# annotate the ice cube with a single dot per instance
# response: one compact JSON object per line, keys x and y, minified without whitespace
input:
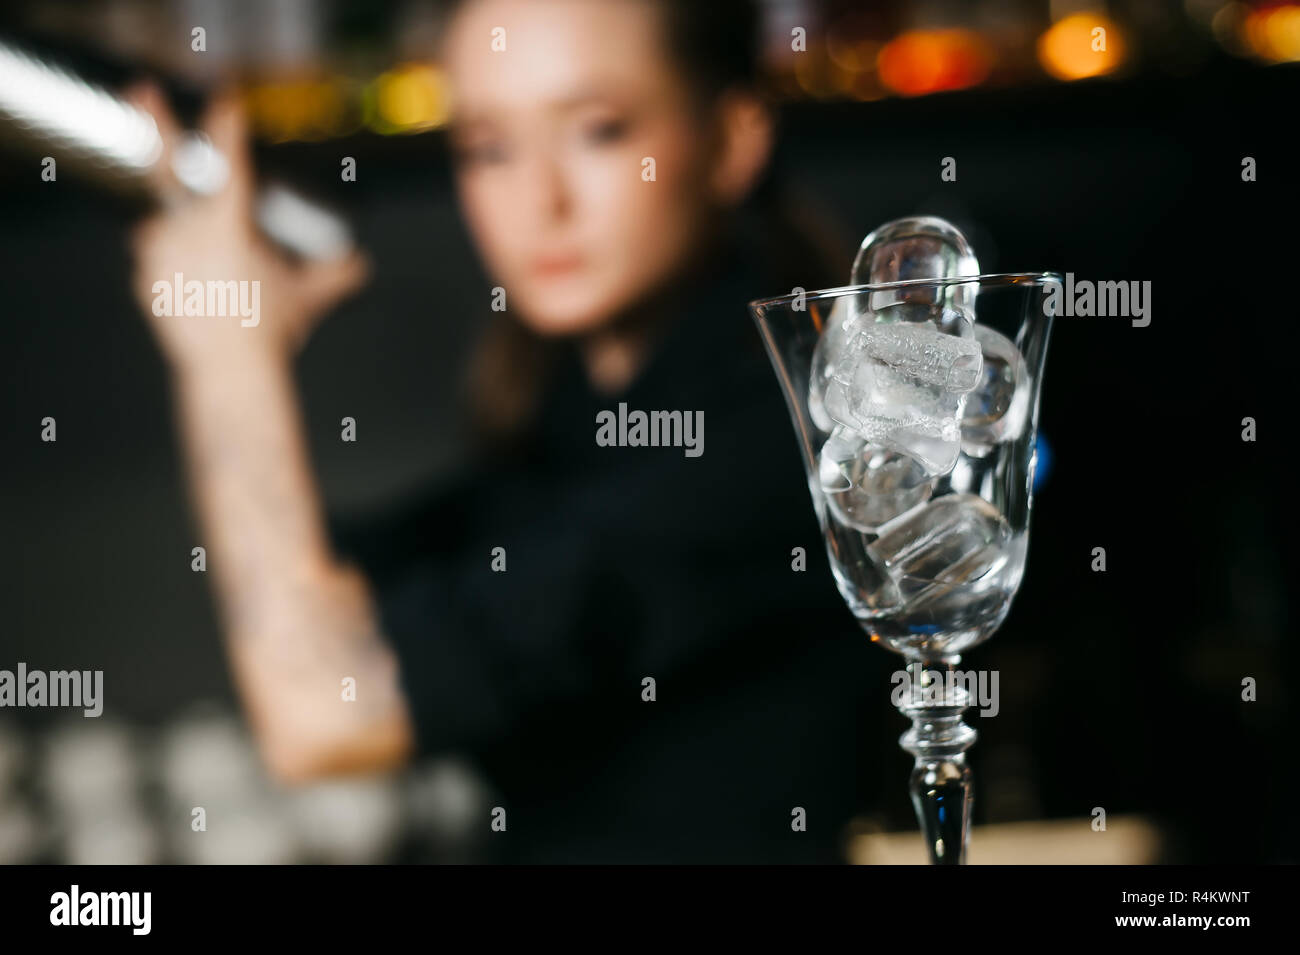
{"x":971,"y":475}
{"x":867,"y":485}
{"x":997,"y":408}
{"x":864,"y":583}
{"x":958,"y":541}
{"x":956,"y":321}
{"x":901,"y":386}
{"x":920,"y":354}
{"x":917,"y":247}
{"x":895,"y":367}
{"x":829,"y":349}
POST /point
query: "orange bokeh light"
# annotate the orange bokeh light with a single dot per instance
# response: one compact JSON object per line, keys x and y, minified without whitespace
{"x":929,"y":61}
{"x":1069,"y":48}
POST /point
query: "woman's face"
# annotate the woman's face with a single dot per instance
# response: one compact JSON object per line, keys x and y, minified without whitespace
{"x":550,"y":135}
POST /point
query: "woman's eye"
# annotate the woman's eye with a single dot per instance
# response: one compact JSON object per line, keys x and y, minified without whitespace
{"x":606,"y":131}
{"x":483,"y":152}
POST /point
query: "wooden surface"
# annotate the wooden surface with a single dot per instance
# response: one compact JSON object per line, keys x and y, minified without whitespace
{"x":1127,"y":840}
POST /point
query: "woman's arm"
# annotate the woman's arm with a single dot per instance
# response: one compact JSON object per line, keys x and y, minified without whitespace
{"x":297,"y":622}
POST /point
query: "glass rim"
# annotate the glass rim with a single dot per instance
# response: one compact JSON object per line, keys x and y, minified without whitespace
{"x":1002,"y":278}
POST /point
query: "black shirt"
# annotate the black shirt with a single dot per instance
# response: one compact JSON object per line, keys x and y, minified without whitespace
{"x":627,"y":563}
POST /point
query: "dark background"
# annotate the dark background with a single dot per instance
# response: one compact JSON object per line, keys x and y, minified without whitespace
{"x":1119,"y":689}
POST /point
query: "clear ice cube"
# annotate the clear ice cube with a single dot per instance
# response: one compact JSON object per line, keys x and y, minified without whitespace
{"x":867,"y":485}
{"x":958,"y":542}
{"x":895,"y":367}
{"x":921,"y":354}
{"x":917,"y":247}
{"x":997,"y":408}
{"x":901,"y":385}
{"x":971,"y":475}
{"x":830,"y":347}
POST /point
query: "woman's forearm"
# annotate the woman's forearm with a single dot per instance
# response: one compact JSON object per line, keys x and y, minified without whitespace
{"x":298,"y":624}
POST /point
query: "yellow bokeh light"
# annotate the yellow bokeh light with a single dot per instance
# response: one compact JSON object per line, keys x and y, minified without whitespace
{"x":1274,"y":34}
{"x":1081,"y":45}
{"x":410,"y":98}
{"x":302,"y":109}
{"x":850,"y":53}
{"x":815,"y":76}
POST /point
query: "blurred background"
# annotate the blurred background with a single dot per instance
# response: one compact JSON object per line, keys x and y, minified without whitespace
{"x":1119,"y":690}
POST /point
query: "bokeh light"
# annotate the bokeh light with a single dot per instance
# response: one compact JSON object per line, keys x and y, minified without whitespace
{"x":1073,"y":49}
{"x":307,"y":109}
{"x":1273,"y":33}
{"x":930,"y":61}
{"x":407,"y":99}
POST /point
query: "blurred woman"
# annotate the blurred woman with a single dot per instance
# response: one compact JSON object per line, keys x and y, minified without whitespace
{"x":624,"y":639}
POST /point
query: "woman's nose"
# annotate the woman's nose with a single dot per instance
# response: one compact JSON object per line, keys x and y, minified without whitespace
{"x":550,"y":185}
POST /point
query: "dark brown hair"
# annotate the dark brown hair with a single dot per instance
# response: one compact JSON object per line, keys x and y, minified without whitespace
{"x":716,"y":44}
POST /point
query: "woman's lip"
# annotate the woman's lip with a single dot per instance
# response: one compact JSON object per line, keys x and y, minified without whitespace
{"x":557,"y":264}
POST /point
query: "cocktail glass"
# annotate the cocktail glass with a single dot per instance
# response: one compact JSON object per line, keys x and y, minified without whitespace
{"x":938,"y":577}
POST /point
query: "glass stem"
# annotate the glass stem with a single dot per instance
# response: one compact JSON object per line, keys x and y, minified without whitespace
{"x":941,"y":781}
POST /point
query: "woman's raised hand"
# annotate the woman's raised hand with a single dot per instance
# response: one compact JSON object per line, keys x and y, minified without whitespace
{"x":266,"y":305}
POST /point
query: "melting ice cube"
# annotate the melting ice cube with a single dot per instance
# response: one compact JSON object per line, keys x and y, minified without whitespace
{"x":830,"y":347}
{"x":895,"y":367}
{"x":917,"y":247}
{"x":958,"y":541}
{"x":901,"y":386}
{"x":920,"y":353}
{"x":997,"y":408}
{"x":867,"y":485}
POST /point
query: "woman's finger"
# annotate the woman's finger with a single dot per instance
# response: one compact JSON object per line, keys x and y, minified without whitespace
{"x":323,"y":285}
{"x":226,"y":125}
{"x":148,"y":96}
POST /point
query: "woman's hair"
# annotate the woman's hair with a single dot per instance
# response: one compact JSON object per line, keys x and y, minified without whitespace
{"x":716,"y":44}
